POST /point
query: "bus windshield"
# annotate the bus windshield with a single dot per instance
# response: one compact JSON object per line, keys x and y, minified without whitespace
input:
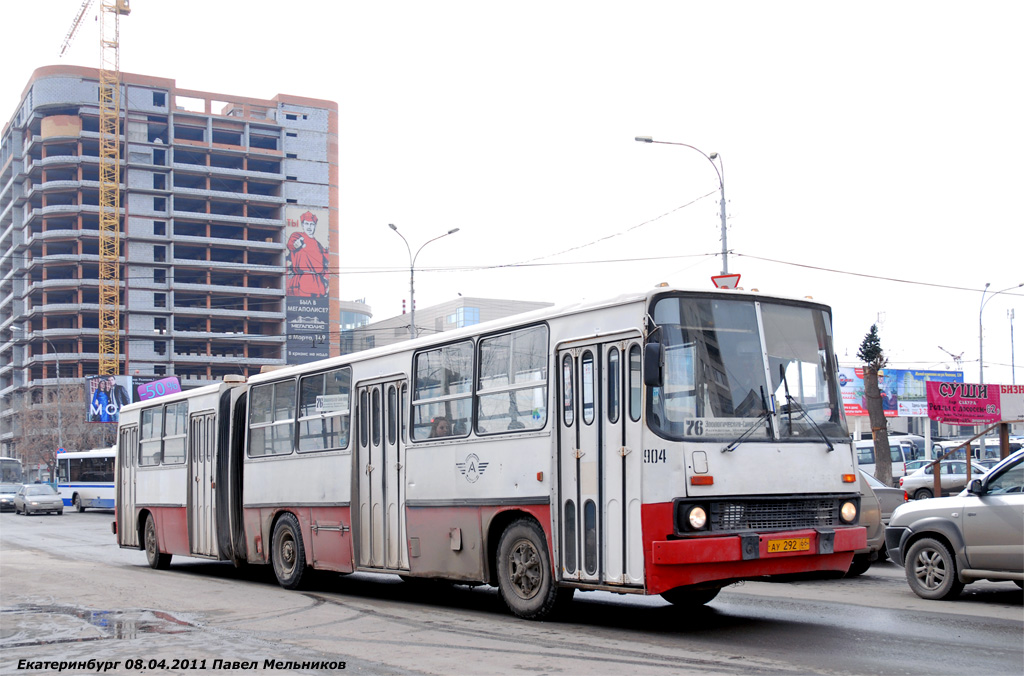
{"x":717,"y":383}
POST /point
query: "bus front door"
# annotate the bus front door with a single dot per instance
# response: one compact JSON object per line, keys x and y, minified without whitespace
{"x":599,"y":462}
{"x":380,"y":465}
{"x":202,"y":489}
{"x":127,"y":454}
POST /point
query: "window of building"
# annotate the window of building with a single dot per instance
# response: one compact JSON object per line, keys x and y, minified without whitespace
{"x":159,"y":253}
{"x":159,"y":204}
{"x":159,"y":99}
{"x":159,"y":181}
{"x":442,"y":391}
{"x":160,"y":325}
{"x":324,"y":410}
{"x":159,"y":227}
{"x":512,"y":386}
{"x":160,"y":276}
{"x":159,"y":157}
{"x":272,"y":419}
{"x":464,"y":316}
{"x":159,"y":300}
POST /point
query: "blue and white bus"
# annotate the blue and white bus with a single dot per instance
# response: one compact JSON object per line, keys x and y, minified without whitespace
{"x":86,"y":478}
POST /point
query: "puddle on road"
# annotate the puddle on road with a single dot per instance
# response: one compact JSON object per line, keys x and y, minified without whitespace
{"x":33,"y":625}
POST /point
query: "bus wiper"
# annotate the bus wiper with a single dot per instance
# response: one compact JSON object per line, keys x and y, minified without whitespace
{"x":764,"y":416}
{"x":792,"y":403}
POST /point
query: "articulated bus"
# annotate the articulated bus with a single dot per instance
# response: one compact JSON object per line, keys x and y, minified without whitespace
{"x":86,"y":478}
{"x":670,"y":442}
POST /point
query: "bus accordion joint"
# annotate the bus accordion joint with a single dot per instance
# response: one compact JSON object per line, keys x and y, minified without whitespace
{"x":703,"y":480}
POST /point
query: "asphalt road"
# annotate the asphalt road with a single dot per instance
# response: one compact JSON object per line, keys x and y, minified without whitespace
{"x":68,"y":593}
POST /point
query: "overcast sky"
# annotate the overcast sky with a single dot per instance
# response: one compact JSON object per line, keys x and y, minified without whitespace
{"x":872,"y":150}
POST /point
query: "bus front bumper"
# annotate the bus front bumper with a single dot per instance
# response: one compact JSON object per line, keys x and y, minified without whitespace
{"x":708,"y":558}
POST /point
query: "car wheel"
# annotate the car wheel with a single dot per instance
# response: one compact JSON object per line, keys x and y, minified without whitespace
{"x":931,"y":570}
{"x":288,"y":553}
{"x":77,"y":502}
{"x":922,"y":494}
{"x":157,"y":559}
{"x":525,"y":579}
{"x":859,"y":565}
{"x":690,"y":598}
{"x":60,"y":512}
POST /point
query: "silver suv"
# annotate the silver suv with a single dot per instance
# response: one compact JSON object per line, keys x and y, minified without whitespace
{"x":945,"y":543}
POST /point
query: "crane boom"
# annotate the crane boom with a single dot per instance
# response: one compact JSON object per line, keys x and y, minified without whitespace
{"x":69,"y":38}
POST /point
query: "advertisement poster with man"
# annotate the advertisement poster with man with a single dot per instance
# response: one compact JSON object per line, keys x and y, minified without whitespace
{"x":106,"y":396}
{"x":307,"y":242}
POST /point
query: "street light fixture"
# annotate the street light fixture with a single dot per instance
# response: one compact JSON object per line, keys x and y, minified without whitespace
{"x":721,"y":187}
{"x":981,"y":341}
{"x":412,"y":273}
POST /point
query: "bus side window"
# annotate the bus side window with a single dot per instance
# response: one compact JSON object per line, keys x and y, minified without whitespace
{"x":151,"y":437}
{"x":635,"y":383}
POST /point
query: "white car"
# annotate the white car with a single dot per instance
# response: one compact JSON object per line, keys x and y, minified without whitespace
{"x":920,"y":484}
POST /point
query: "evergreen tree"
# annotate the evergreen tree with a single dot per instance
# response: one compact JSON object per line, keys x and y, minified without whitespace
{"x":874,"y":359}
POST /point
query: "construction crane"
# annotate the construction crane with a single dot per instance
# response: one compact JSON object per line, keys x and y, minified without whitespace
{"x":110,"y":170}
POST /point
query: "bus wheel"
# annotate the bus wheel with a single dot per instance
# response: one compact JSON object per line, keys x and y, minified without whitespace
{"x":157,"y":559}
{"x":77,"y":502}
{"x":525,"y":580}
{"x":689,"y":597}
{"x":287,"y":552}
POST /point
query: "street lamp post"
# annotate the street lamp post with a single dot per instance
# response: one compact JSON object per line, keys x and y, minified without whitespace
{"x":981,"y":339}
{"x":412,"y":273}
{"x":721,"y":187}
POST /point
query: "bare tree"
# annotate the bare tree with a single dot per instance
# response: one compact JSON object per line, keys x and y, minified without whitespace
{"x":871,"y":354}
{"x":61,"y":417}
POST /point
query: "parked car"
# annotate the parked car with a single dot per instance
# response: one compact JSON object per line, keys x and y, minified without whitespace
{"x":946,"y":543}
{"x":877,"y":503}
{"x":900,"y":453}
{"x":7,"y":493}
{"x":953,"y":477}
{"x":915,"y":465}
{"x":32,"y":498}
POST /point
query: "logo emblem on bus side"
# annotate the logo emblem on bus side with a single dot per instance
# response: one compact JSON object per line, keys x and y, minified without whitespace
{"x":472,"y":468}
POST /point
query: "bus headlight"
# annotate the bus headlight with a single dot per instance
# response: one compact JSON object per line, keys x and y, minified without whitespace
{"x":696,"y":517}
{"x":848,"y":512}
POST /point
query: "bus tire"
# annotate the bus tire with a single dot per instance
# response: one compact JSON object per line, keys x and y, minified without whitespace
{"x":525,"y":579}
{"x":287,"y":553}
{"x":77,"y":502}
{"x":688,"y":597}
{"x":157,"y":559}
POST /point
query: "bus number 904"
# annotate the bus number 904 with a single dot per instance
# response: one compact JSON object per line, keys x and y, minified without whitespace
{"x":654,"y":455}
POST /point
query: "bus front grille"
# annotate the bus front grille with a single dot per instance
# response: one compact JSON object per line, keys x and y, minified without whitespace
{"x":774,"y":514}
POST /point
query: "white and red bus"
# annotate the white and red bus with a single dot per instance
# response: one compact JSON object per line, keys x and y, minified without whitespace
{"x":670,"y":442}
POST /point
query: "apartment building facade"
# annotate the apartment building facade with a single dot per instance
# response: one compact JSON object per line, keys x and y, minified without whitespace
{"x":228,"y":234}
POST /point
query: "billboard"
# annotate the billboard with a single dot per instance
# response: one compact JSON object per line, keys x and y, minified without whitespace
{"x":105,"y":396}
{"x":307,"y":282}
{"x":973,"y":404}
{"x":904,"y":392}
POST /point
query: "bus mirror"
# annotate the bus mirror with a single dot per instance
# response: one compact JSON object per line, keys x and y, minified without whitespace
{"x":654,"y":357}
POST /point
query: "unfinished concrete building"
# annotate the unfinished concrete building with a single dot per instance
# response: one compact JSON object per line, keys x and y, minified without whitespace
{"x":228,"y":234}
